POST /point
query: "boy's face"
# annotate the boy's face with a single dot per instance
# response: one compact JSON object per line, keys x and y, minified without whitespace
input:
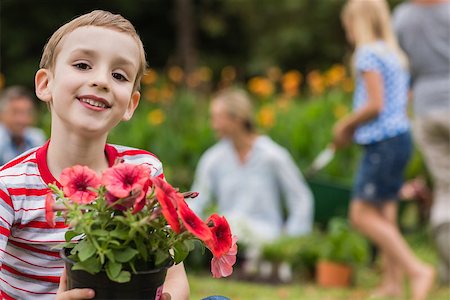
{"x":90,"y":88}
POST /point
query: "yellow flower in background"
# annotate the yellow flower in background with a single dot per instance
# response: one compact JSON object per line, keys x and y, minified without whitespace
{"x":283,"y":103}
{"x":274,"y":74}
{"x":151,"y":95}
{"x":260,"y":86}
{"x":347,"y":85}
{"x":149,"y":77}
{"x":290,"y":83}
{"x":2,"y":81}
{"x":340,"y":111}
{"x":199,"y":76}
{"x":156,"y":117}
{"x":335,"y":75}
{"x":176,"y":74}
{"x":166,"y":93}
{"x":316,"y":82}
{"x":192,"y":80}
{"x":266,"y":117}
{"x":204,"y":74}
{"x":228,"y":74}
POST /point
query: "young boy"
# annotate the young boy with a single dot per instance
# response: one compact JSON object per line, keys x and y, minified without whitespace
{"x":89,"y":77}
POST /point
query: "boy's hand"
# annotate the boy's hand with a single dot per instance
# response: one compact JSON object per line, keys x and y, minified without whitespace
{"x":75,"y":294}
{"x":166,"y":296}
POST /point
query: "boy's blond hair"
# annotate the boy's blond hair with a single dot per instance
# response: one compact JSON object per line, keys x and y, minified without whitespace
{"x":97,"y":18}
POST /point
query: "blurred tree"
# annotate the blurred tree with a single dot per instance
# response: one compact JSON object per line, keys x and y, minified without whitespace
{"x":25,"y":26}
{"x":186,"y":48}
{"x":251,"y":35}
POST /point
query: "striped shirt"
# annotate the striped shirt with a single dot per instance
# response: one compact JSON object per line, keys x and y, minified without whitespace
{"x":29,"y":253}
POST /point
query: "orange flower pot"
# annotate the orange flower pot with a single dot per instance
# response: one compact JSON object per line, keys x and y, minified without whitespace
{"x":331,"y":274}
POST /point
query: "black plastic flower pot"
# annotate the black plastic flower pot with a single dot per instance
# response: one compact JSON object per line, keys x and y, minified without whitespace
{"x":146,"y":284}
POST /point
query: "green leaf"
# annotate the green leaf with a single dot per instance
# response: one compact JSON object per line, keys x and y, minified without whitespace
{"x":91,"y":265}
{"x":189,"y":244}
{"x":110,"y":255}
{"x":70,"y":235}
{"x":141,"y":248}
{"x":180,"y":252}
{"x":124,"y":276}
{"x":100,"y":232}
{"x":85,"y":250}
{"x":125,"y":255}
{"x":120,"y":234}
{"x":114,"y":242}
{"x":113,"y":269}
{"x":161,"y":257}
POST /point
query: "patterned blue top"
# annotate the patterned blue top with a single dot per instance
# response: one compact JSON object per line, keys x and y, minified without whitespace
{"x":393,"y":119}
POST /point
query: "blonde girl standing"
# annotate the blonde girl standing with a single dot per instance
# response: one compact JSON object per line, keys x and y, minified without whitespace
{"x":379,"y":124}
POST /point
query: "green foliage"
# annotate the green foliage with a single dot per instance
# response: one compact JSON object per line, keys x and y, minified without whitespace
{"x":342,"y":244}
{"x":301,"y":252}
{"x":103,"y":238}
{"x":178,"y":141}
{"x":339,"y":244}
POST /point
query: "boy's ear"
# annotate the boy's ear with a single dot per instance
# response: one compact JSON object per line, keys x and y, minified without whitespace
{"x":132,"y":105}
{"x":41,"y":82}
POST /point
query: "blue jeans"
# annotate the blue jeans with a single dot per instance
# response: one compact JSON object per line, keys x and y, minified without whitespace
{"x":380,"y":173}
{"x":216,"y":298}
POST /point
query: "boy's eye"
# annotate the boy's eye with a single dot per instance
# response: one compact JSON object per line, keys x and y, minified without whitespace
{"x":82,"y":66}
{"x":119,"y":76}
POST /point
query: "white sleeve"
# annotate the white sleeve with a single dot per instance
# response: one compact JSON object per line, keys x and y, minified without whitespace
{"x":203,"y":184}
{"x":297,"y":194}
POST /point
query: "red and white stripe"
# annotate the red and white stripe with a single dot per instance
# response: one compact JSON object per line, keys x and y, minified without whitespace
{"x":30,"y":263}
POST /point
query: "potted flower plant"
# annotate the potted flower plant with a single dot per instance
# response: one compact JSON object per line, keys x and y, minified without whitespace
{"x":126,"y":228}
{"x":342,"y":249}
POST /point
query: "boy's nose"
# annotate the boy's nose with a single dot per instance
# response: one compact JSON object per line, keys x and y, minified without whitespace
{"x":100,"y":80}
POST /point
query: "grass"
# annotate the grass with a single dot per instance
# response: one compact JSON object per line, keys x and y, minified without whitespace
{"x":203,"y":286}
{"x":365,"y":280}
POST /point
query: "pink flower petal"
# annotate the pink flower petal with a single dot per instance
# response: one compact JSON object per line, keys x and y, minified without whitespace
{"x":223,"y":266}
{"x":192,"y":222}
{"x":120,"y":180}
{"x":49,"y":213}
{"x":77,"y":181}
{"x":221,"y":241}
{"x":165,"y":195}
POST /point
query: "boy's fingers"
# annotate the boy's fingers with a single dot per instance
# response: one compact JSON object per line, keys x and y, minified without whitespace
{"x":62,"y":282}
{"x":166,"y":296}
{"x":76,"y":294}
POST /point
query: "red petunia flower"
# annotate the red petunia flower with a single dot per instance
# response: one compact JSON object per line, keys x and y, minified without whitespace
{"x":122,"y":179}
{"x":135,"y":200}
{"x":221,"y":235}
{"x":223,"y":266}
{"x":192,"y":222}
{"x":77,"y":181}
{"x":49,"y":213}
{"x":166,"y":196}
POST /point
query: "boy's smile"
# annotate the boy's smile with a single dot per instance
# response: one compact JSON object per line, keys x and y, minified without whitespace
{"x":91,"y":87}
{"x":94,"y":102}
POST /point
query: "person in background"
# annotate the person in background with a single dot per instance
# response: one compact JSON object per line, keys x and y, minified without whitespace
{"x":248,"y":175}
{"x":17,"y":115}
{"x":379,"y":124}
{"x":423,"y":31}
